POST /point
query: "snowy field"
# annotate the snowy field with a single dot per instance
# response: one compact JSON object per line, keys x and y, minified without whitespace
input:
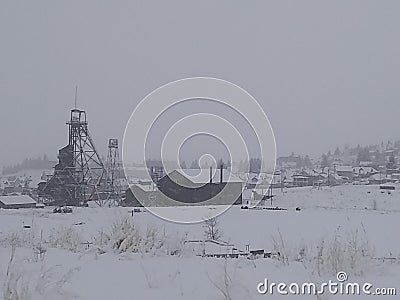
{"x":106,"y":253}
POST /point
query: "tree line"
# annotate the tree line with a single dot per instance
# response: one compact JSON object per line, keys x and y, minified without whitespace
{"x":39,"y":163}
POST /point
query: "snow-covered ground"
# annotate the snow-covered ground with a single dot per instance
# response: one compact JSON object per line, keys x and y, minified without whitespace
{"x":105,"y":253}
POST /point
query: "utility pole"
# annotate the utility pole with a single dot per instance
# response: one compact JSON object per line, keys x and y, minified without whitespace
{"x":328,"y":177}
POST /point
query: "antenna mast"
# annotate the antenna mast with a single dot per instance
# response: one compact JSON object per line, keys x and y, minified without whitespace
{"x":76,"y":97}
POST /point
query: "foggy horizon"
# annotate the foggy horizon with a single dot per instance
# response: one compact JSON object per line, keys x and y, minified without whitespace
{"x":103,"y":152}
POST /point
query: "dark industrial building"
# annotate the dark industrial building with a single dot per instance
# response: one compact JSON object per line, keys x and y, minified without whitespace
{"x":179,"y":185}
{"x":60,"y":185}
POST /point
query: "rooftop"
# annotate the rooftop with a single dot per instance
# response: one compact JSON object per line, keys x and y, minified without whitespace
{"x":203,"y":175}
{"x":17,"y":199}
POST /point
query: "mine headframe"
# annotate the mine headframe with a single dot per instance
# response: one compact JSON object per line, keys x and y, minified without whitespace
{"x":80,"y":175}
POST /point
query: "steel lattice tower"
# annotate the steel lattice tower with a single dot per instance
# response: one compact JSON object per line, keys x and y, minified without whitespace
{"x":114,"y":173}
{"x":88,"y":169}
{"x":79,"y":176}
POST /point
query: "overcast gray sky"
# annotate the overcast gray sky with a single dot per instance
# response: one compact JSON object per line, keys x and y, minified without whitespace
{"x":326,"y":73}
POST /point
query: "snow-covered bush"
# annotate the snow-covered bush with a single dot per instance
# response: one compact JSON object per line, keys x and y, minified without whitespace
{"x":344,"y":251}
{"x":125,"y":236}
{"x":62,"y":237}
{"x":281,"y":248}
{"x":65,"y":238}
{"x":39,"y":251}
{"x":348,"y":252}
{"x":21,"y":238}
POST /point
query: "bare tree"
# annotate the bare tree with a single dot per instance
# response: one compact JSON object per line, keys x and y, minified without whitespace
{"x":212,"y":229}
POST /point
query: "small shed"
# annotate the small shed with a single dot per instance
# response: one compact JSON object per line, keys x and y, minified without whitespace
{"x":17,"y":201}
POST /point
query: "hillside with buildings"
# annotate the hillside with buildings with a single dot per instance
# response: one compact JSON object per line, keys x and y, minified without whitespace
{"x":374,"y":164}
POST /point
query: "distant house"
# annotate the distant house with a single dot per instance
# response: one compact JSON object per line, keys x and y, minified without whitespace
{"x":13,"y":185}
{"x":334,"y":179}
{"x":315,"y":178}
{"x":377,"y":179}
{"x":277,"y":180}
{"x":17,"y":201}
{"x":252,"y":181}
{"x":307,"y":177}
{"x":365,"y":163}
{"x":395,"y":176}
{"x":364,"y":172}
{"x":345,"y":172}
{"x":300,"y":180}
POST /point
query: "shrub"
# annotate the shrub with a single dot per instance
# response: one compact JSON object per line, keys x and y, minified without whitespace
{"x":348,"y":251}
{"x":125,"y":236}
{"x":65,"y":238}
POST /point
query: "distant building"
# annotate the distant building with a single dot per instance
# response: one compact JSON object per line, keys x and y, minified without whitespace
{"x":365,"y":163}
{"x":188,"y":187}
{"x":252,"y":181}
{"x":17,"y":201}
{"x":300,"y":180}
{"x":364,"y":172}
{"x":345,"y":172}
{"x":395,"y":176}
{"x":377,"y":179}
{"x":307,"y":177}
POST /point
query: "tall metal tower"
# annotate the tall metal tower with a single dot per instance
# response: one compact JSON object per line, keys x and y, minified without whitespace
{"x":80,"y":174}
{"x":114,"y":173}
